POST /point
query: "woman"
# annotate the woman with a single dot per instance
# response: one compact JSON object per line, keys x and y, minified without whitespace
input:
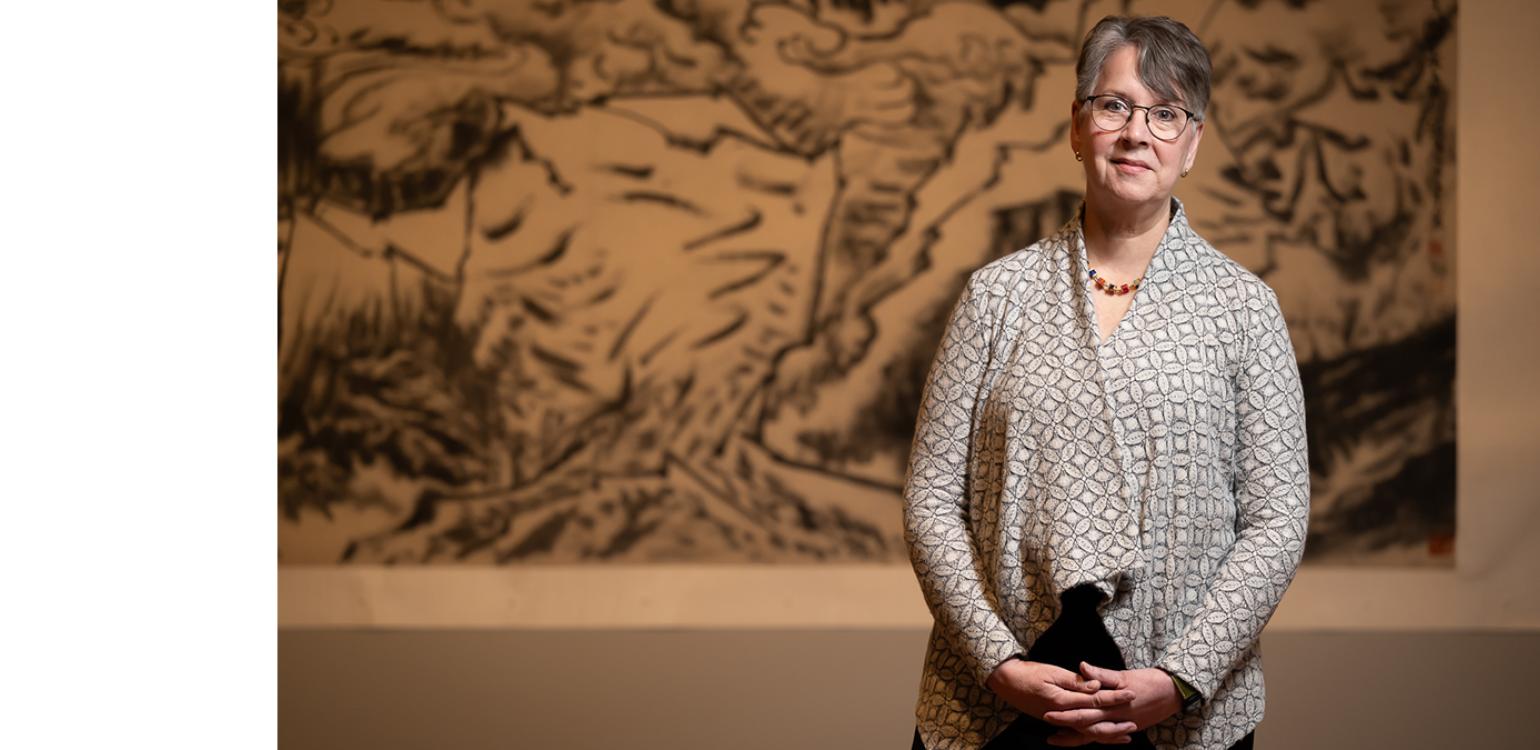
{"x":1108,"y":489}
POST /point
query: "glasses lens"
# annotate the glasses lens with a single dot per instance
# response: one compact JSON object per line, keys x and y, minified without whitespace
{"x":1167,"y":122}
{"x":1110,"y":112}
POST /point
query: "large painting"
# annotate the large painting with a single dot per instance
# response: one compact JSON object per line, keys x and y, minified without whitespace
{"x":637,"y":281}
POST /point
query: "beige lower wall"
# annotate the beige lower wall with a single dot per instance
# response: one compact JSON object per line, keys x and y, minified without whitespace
{"x":830,"y":690}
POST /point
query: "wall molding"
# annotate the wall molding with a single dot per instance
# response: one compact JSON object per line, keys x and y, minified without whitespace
{"x":825,"y":596}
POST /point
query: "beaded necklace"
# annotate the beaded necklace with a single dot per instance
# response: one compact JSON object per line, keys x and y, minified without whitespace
{"x":1114,"y":289}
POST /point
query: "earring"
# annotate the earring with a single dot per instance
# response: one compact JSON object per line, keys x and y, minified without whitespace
{"x":1078,"y":157}
{"x":1185,"y":171}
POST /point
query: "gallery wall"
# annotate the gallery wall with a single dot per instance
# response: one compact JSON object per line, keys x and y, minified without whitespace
{"x":1332,"y":592}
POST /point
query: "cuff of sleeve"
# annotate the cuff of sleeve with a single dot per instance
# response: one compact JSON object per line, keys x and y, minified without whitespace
{"x":996,"y":652}
{"x":1186,"y":671}
{"x":1189,"y":695}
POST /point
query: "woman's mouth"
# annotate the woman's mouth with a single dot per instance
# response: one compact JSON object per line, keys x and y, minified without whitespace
{"x":1130,"y":166}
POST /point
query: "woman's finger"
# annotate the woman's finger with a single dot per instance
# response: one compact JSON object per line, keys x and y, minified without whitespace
{"x":1070,"y":681}
{"x":1111,"y":678}
{"x":1066,"y":700}
{"x":1076,"y":718}
{"x":1110,"y":731}
{"x":1084,"y":719}
{"x":1112,"y":698}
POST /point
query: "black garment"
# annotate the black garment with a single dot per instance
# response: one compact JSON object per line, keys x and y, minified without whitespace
{"x":1077,"y":635}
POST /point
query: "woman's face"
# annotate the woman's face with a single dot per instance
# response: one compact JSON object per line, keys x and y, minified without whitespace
{"x":1129,"y":168}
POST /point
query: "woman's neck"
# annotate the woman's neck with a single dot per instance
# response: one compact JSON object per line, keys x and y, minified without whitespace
{"x":1124,"y":238}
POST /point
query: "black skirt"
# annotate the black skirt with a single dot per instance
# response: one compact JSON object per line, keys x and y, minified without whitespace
{"x":1077,"y":635}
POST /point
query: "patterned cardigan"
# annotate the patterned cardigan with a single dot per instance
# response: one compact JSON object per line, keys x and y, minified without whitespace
{"x":1166,"y":465}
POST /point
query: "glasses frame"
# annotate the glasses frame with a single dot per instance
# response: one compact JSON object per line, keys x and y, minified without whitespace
{"x":1131,"y":107}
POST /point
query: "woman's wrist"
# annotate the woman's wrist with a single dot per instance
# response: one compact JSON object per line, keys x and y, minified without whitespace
{"x":1186,"y":695}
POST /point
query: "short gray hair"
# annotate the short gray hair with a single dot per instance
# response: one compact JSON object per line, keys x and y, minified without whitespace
{"x":1172,"y":61}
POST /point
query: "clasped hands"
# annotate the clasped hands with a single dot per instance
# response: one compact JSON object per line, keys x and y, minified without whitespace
{"x":1095,"y":705}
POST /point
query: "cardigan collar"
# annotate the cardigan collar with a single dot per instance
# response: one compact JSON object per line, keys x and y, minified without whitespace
{"x":1171,"y":255}
{"x":1162,"y":277}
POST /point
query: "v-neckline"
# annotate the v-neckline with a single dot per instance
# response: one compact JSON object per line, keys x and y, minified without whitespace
{"x":1096,"y":323}
{"x":1139,"y":294}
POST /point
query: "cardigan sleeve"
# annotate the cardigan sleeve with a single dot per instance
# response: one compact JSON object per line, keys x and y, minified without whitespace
{"x":1272,"y":493}
{"x":936,"y":492}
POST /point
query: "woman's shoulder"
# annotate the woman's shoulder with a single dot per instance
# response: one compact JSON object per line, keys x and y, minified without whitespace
{"x":1211,"y":267}
{"x":1233,"y":281}
{"x":1012,"y":273}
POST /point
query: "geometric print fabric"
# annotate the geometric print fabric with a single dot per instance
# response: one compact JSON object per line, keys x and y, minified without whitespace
{"x":1165,"y":465}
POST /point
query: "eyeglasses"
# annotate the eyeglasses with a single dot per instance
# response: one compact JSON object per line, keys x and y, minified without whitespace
{"x":1112,"y":112}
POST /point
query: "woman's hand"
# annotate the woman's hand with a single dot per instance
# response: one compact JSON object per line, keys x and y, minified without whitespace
{"x":1154,"y":697}
{"x":1040,"y":689}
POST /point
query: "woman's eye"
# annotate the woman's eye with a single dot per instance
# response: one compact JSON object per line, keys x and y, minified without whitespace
{"x":1163,"y":114}
{"x":1115,"y":105}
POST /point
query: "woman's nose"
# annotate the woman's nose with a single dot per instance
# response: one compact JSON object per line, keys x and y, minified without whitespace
{"x":1137,"y":129}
